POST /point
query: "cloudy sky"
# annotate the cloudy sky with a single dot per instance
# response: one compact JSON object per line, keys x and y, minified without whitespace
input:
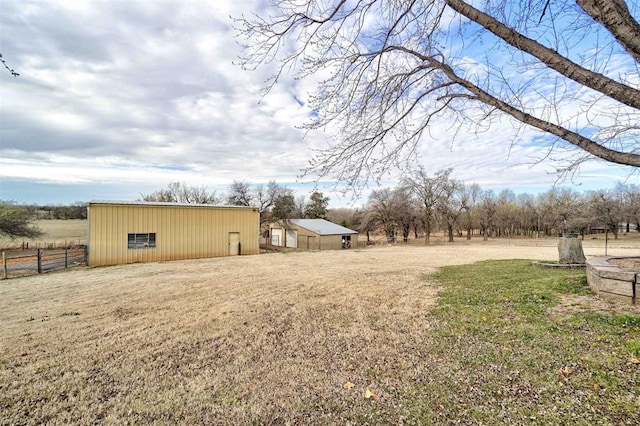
{"x":117,"y":98}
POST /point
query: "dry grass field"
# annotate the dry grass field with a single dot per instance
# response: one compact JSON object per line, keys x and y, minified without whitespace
{"x":333,"y":337}
{"x":56,"y":233}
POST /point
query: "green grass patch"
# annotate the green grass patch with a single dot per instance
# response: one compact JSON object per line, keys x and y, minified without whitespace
{"x":510,"y":352}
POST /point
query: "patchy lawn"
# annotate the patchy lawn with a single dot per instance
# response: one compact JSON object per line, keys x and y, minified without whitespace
{"x":359,"y":337}
{"x":519,"y":344}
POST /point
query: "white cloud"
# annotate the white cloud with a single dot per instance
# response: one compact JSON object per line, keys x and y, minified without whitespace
{"x":145,"y":93}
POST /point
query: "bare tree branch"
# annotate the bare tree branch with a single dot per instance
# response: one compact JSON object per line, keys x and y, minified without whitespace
{"x":392,"y":68}
{"x":11,"y":70}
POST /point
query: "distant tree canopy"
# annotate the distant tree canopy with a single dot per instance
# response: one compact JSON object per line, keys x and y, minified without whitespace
{"x":15,"y":221}
{"x":426,"y":204}
{"x":420,"y":205}
{"x":240,"y":193}
{"x":78,"y":210}
{"x":177,"y":192}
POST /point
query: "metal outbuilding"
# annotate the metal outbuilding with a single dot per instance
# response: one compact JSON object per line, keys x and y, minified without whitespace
{"x":312,"y":234}
{"x":130,"y":232}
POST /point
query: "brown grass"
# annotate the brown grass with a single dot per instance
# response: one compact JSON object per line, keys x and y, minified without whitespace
{"x":56,"y":233}
{"x":269,"y":339}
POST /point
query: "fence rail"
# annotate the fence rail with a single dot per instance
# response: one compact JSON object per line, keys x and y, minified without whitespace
{"x":41,"y":261}
{"x":48,"y":245}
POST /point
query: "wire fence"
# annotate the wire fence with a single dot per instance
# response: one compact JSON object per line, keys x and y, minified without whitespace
{"x":48,"y":245}
{"x":41,"y":261}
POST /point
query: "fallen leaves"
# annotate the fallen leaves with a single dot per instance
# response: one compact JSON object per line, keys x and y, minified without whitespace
{"x":367,"y":393}
{"x":566,"y":371}
{"x":635,"y":361}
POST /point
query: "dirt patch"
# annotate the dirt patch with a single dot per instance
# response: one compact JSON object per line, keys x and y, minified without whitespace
{"x":571,"y":304}
{"x":628,"y":263}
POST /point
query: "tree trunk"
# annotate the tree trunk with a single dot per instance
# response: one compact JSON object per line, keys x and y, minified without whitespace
{"x":427,"y":231}
{"x":570,"y":251}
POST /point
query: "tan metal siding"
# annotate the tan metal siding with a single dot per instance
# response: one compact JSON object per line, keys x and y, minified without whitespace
{"x":308,"y":240}
{"x":330,"y":242}
{"x":182,"y":232}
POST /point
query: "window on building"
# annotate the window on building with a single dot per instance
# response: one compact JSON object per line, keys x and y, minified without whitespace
{"x":136,"y":241}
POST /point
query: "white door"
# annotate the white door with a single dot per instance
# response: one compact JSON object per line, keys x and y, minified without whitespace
{"x":292,"y":238}
{"x":276,"y":237}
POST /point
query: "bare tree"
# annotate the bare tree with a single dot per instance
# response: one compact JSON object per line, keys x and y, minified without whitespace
{"x":488,"y":209}
{"x":452,"y":202}
{"x":405,"y":212}
{"x":301,"y":207}
{"x":506,"y":213}
{"x":632,"y":205}
{"x":428,"y":191}
{"x":470,"y":214}
{"x":177,"y":192}
{"x":561,"y":210}
{"x":389,"y":69}
{"x":240,"y":193}
{"x":368,"y":223}
{"x":527,"y":214}
{"x":606,"y":208}
{"x":382,"y":212}
{"x":264,"y":198}
{"x":345,"y":216}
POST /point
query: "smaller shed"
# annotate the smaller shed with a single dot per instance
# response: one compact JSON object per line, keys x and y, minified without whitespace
{"x":312,"y":234}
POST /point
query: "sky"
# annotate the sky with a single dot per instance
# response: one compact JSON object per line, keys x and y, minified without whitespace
{"x":120,"y":98}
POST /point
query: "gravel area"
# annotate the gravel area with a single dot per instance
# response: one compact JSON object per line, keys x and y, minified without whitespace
{"x":630,"y":264}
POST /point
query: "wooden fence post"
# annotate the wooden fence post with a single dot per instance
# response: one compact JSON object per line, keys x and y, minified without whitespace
{"x":39,"y":261}
{"x":66,"y":251}
{"x":4,"y":264}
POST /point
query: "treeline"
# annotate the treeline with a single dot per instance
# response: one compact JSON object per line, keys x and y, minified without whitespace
{"x":16,"y":219}
{"x":418,"y":206}
{"x":77,"y":210}
{"x":274,"y":201}
{"x":421,"y":204}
